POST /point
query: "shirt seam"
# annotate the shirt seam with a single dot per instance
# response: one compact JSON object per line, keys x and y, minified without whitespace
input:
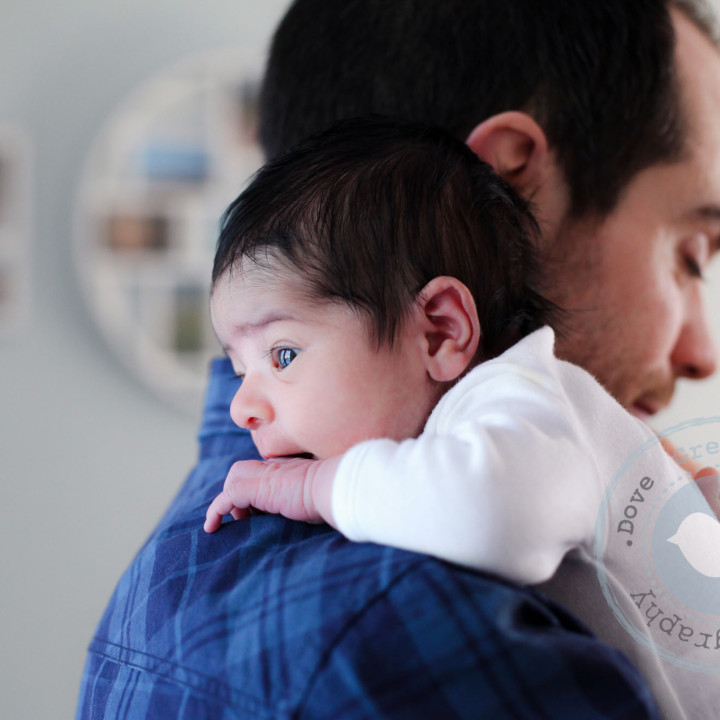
{"x":206,"y":685}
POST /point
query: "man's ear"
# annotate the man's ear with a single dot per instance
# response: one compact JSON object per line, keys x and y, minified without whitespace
{"x":517,"y":149}
{"x":450,"y":327}
{"x":515,"y":146}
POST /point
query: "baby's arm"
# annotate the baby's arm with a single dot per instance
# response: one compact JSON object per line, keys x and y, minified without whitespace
{"x":501,"y":499}
{"x":482,"y":503}
{"x":298,"y":489}
{"x":502,"y":493}
{"x":500,"y":481}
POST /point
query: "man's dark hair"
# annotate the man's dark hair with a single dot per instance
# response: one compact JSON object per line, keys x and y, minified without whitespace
{"x":370,"y":210}
{"x":597,"y":75}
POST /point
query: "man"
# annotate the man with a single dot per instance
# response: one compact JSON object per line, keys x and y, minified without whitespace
{"x":273,"y":619}
{"x":585,"y":111}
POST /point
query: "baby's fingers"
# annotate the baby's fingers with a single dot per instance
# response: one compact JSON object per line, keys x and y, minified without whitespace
{"x":222,"y":505}
{"x":708,"y":481}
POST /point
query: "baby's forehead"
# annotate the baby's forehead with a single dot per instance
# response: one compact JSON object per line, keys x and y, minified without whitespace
{"x":250,"y":291}
{"x":248,"y":285}
{"x":249,"y":278}
{"x":255,"y":285}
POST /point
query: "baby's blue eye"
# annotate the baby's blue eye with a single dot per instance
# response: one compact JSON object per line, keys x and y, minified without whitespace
{"x":284,"y":356}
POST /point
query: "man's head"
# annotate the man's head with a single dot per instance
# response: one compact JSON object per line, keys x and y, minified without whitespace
{"x":571,"y":102}
{"x":598,"y":78}
{"x":362,"y":273}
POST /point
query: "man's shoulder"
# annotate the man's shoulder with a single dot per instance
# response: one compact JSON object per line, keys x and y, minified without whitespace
{"x":253,"y":571}
{"x":270,"y":618}
{"x":254,"y":614}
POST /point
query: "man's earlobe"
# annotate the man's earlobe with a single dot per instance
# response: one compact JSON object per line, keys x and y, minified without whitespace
{"x":515,"y":146}
{"x":451,"y":328}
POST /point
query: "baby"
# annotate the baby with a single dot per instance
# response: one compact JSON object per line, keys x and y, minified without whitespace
{"x":377,"y":289}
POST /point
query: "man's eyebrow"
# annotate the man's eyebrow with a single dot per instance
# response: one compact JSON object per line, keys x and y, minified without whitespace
{"x":712,"y":212}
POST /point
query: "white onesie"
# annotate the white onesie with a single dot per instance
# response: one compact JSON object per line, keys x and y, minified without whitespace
{"x":512,"y":472}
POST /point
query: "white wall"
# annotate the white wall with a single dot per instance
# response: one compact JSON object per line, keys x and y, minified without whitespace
{"x":88,"y":457}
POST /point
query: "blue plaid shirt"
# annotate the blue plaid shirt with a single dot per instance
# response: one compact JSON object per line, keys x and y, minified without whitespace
{"x":273,"y":619}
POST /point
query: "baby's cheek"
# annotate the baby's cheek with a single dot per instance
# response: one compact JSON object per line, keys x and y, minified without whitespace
{"x":338,"y":437}
{"x":322,"y":435}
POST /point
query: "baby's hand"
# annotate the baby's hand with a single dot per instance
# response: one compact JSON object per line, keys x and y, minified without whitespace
{"x":296,"y":488}
{"x":708,"y":481}
{"x":706,"y":478}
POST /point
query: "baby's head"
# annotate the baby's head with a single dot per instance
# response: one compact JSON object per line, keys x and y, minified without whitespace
{"x":360,"y":275}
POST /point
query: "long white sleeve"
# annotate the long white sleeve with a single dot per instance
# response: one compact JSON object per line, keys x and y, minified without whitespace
{"x":508,"y":475}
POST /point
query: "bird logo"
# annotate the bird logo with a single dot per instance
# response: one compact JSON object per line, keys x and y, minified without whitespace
{"x":698,"y":538}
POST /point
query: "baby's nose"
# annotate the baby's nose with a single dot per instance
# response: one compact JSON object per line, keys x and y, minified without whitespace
{"x":250,"y":408}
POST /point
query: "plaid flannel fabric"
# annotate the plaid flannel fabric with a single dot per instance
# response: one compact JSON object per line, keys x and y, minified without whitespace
{"x":274,"y":619}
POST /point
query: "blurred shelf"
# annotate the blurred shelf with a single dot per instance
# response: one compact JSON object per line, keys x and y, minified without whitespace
{"x":154,"y":187}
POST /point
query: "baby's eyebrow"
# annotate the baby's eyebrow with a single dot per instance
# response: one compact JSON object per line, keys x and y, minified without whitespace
{"x":252,"y":326}
{"x":255,"y":325}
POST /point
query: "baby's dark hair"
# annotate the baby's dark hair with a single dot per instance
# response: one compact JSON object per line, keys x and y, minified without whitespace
{"x":370,"y":210}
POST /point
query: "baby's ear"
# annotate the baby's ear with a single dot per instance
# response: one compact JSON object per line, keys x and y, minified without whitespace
{"x":450,"y":326}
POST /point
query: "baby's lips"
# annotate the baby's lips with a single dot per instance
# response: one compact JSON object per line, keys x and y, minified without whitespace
{"x":297,"y":456}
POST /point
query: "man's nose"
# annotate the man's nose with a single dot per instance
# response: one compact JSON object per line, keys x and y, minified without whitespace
{"x":695,"y":353}
{"x":250,"y":407}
